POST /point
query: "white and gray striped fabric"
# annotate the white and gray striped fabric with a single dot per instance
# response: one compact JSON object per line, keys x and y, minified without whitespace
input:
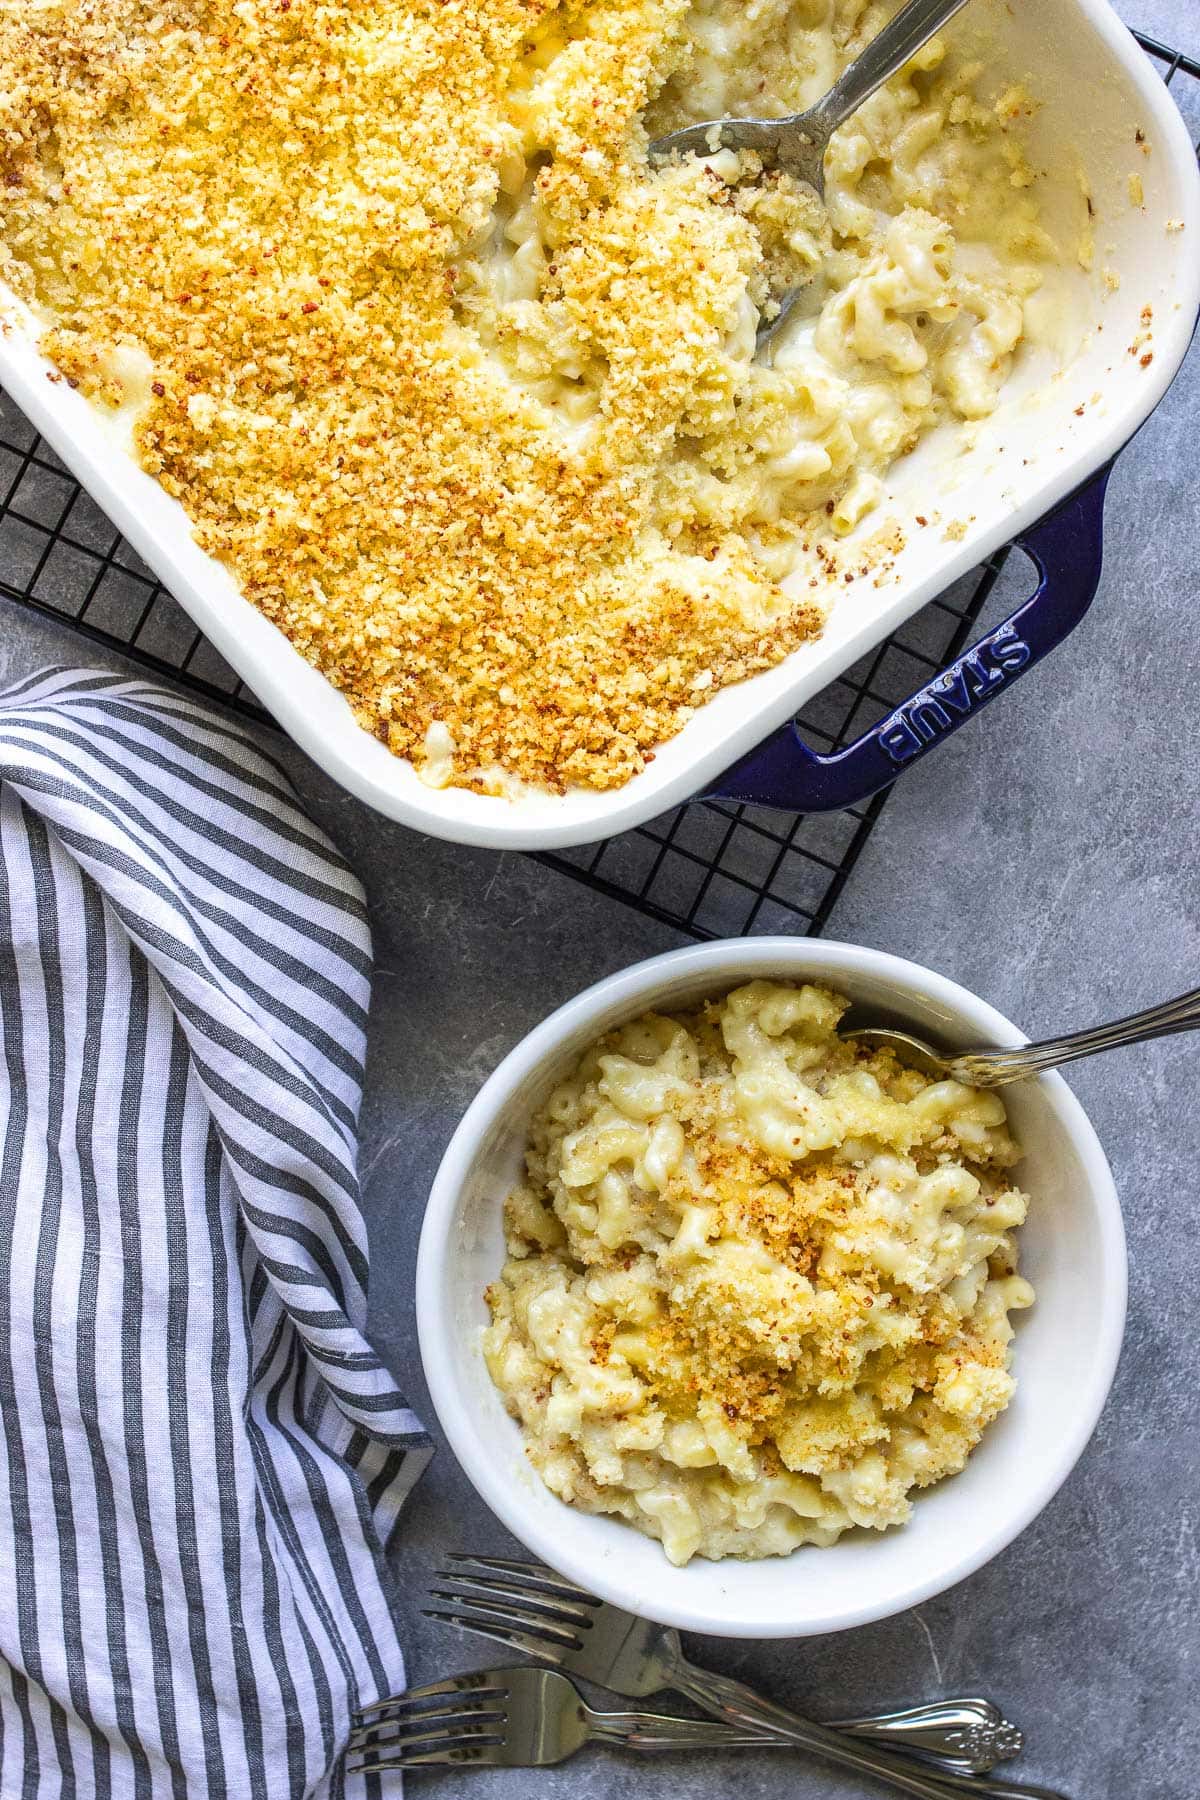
{"x":201,"y":1458}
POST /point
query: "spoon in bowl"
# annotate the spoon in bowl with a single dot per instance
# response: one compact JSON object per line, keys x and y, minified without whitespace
{"x":797,"y":144}
{"x":993,"y":1066}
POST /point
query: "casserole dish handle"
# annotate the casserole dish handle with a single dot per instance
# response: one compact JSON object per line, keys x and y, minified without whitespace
{"x":1066,"y":548}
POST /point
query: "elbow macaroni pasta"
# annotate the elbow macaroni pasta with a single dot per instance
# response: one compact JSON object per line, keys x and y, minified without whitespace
{"x":758,"y":1281}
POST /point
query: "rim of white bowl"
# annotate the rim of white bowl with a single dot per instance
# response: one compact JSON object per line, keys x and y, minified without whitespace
{"x":723,"y":959}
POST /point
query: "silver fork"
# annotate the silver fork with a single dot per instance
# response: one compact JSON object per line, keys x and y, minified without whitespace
{"x":526,"y":1606}
{"x":520,"y":1718}
{"x":529,"y":1717}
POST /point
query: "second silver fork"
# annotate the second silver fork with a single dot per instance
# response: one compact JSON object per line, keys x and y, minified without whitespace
{"x":529,"y":1608}
{"x":527,"y":1717}
{"x":520,"y":1718}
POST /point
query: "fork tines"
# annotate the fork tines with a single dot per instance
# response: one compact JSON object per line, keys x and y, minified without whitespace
{"x":534,"y":1575}
{"x":464,"y":1723}
{"x":524,"y":1605}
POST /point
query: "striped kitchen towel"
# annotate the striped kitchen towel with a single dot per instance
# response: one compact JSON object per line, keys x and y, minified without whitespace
{"x":201,"y":1458}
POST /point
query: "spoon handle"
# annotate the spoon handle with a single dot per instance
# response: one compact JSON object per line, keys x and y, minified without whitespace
{"x":909,"y":30}
{"x":995,"y":1068}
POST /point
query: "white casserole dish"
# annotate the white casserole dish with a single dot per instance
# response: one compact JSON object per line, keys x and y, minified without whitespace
{"x":1072,"y":1248}
{"x":1096,"y":88}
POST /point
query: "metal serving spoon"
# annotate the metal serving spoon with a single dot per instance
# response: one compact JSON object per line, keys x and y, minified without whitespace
{"x":797,"y":144}
{"x":991,"y":1066}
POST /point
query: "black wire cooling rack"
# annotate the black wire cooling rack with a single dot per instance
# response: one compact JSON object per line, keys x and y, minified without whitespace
{"x":711,"y":868}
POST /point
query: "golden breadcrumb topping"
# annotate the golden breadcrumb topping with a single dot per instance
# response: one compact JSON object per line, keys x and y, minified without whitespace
{"x":456,"y":385}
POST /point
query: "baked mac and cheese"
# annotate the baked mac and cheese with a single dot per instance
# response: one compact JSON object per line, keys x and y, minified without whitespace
{"x":759,"y":1279}
{"x":459,"y":387}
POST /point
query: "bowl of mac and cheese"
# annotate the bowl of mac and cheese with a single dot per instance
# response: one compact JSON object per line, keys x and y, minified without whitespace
{"x":750,"y":1329}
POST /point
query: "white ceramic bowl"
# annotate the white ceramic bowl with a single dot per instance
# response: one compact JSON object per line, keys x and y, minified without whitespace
{"x":1072,"y":1249}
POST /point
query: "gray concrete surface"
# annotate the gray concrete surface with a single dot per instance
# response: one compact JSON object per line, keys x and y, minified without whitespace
{"x":1047,"y":857}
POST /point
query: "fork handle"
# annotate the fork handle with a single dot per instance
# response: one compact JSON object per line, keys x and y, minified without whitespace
{"x":740,"y":1705}
{"x":995,"y":1068}
{"x":649,"y":1732}
{"x":966,"y":1736}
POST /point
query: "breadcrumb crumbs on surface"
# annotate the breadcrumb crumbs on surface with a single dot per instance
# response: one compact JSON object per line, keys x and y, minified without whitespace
{"x":279,"y":210}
